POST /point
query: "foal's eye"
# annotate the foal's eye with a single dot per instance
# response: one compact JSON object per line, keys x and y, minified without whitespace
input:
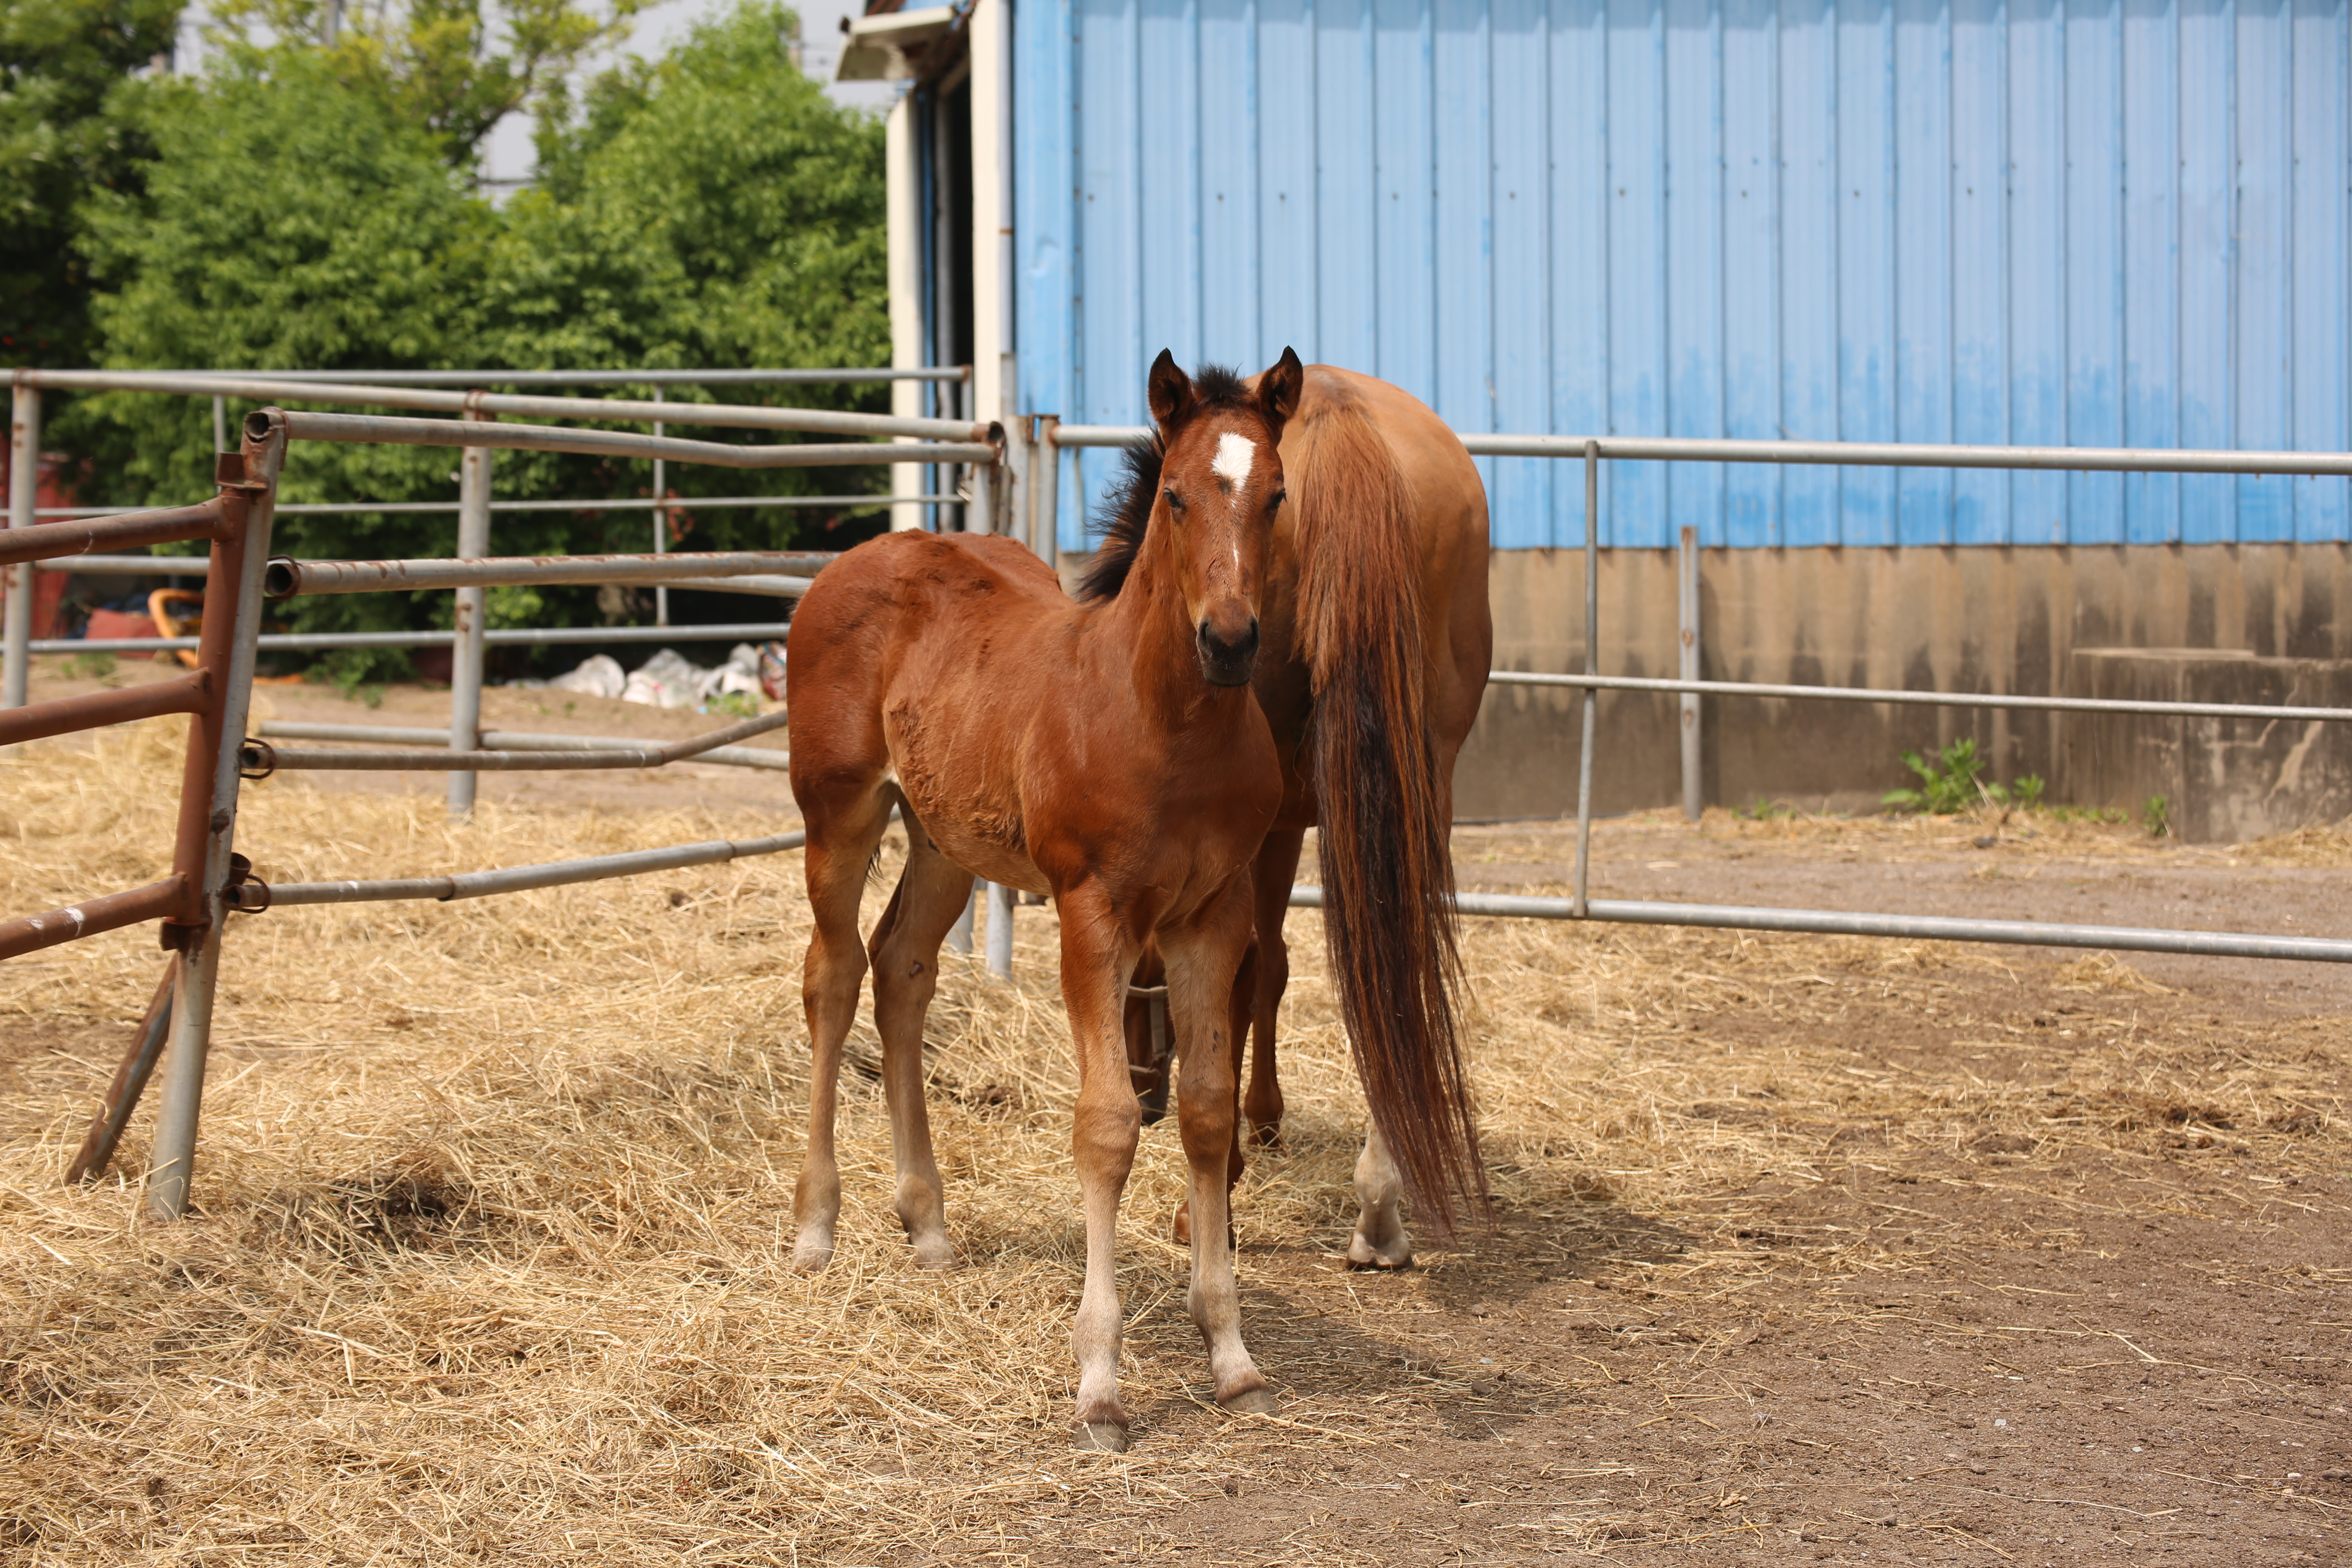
{"x":1175,"y":501}
{"x":1274,"y":502}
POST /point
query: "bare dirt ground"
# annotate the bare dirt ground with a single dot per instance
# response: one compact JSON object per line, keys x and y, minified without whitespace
{"x":1804,"y":1250}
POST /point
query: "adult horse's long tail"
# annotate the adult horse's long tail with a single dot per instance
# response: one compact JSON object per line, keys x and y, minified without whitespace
{"x":1382,"y":810}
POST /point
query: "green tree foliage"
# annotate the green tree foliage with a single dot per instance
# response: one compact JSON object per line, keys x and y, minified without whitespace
{"x":712,"y":209}
{"x":451,"y":68}
{"x":69,"y":126}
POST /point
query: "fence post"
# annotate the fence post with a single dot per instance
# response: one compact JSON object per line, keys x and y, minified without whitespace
{"x":1686,"y":624}
{"x":661,"y":521}
{"x":1046,"y":469}
{"x":979,"y":517}
{"x":1000,"y":931}
{"x":1020,"y":463}
{"x":1591,"y":667}
{"x":16,"y":582}
{"x":173,"y":1164}
{"x":465,"y":648}
{"x":993,"y":513}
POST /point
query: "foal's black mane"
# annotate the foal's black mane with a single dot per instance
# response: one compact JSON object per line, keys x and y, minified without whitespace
{"x":1126,"y":511}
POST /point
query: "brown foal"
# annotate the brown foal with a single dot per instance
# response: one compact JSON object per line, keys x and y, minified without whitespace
{"x":1110,"y":753}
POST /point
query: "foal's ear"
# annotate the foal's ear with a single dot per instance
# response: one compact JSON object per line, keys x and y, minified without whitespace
{"x":1278,"y":390}
{"x":1171,"y":394}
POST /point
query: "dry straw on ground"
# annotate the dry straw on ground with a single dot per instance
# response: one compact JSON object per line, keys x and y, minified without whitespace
{"x":495,"y":1200}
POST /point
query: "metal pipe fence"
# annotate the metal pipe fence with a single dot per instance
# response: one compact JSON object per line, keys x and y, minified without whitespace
{"x":978,"y":447}
{"x":1920,"y":699}
{"x":503,"y":740}
{"x":739,"y":415}
{"x":1914,"y":927}
{"x":191,"y":900}
{"x":398,"y":430}
{"x":288,"y":577}
{"x":512,"y":637}
{"x":260,"y":759}
{"x":148,"y":380}
{"x":208,"y":880}
{"x":450,"y":508}
{"x":253,"y":897}
{"x":1594,"y":450}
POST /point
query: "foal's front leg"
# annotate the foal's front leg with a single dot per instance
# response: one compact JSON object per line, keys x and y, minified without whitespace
{"x":1203,"y":962}
{"x":1098,"y":955}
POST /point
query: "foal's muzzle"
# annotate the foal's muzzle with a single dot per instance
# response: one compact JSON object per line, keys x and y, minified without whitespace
{"x":1228,"y":661}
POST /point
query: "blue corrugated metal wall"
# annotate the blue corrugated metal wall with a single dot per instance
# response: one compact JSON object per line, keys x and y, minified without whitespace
{"x":2085,"y":221}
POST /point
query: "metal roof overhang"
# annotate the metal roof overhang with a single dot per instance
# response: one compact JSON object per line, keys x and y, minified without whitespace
{"x":880,"y":46}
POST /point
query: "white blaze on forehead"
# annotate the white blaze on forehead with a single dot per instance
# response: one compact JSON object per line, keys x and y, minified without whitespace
{"x":1235,"y":453}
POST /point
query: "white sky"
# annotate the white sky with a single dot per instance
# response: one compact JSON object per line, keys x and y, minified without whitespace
{"x":508,"y":159}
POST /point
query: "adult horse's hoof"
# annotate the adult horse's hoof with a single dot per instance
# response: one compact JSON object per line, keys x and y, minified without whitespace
{"x":935,"y":1255}
{"x":1266,"y":1135}
{"x":1362,"y":1254}
{"x":1251,"y":1401}
{"x":1099,"y":1437}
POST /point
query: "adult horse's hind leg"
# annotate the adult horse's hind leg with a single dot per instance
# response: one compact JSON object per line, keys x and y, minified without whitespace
{"x":1202,"y":964}
{"x":842,"y":837}
{"x":904,"y":948}
{"x":1150,"y":1044}
{"x":1380,"y":1241}
{"x":1278,"y":868}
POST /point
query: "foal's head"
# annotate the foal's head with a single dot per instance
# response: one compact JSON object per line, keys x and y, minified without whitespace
{"x":1220,"y":490}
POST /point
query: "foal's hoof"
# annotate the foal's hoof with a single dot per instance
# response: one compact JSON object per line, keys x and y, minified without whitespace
{"x":1251,"y":1401}
{"x":934,"y":1255}
{"x":1099,"y":1437}
{"x":1362,"y":1254}
{"x":811,"y":1255}
{"x":1265,"y":1135}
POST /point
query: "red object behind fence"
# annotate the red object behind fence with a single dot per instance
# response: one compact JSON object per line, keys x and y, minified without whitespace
{"x":109,"y":623}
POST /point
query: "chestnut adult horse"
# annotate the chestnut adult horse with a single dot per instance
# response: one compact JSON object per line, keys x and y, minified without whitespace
{"x":1376,"y":644}
{"x":1112,"y":755}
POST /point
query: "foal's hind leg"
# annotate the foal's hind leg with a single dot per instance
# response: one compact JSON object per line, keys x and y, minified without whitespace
{"x":1380,"y":1241}
{"x":931,"y":896}
{"x":842,"y":839}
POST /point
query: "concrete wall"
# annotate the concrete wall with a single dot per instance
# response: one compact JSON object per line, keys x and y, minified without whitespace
{"x":1955,"y":618}
{"x":2222,"y":780}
